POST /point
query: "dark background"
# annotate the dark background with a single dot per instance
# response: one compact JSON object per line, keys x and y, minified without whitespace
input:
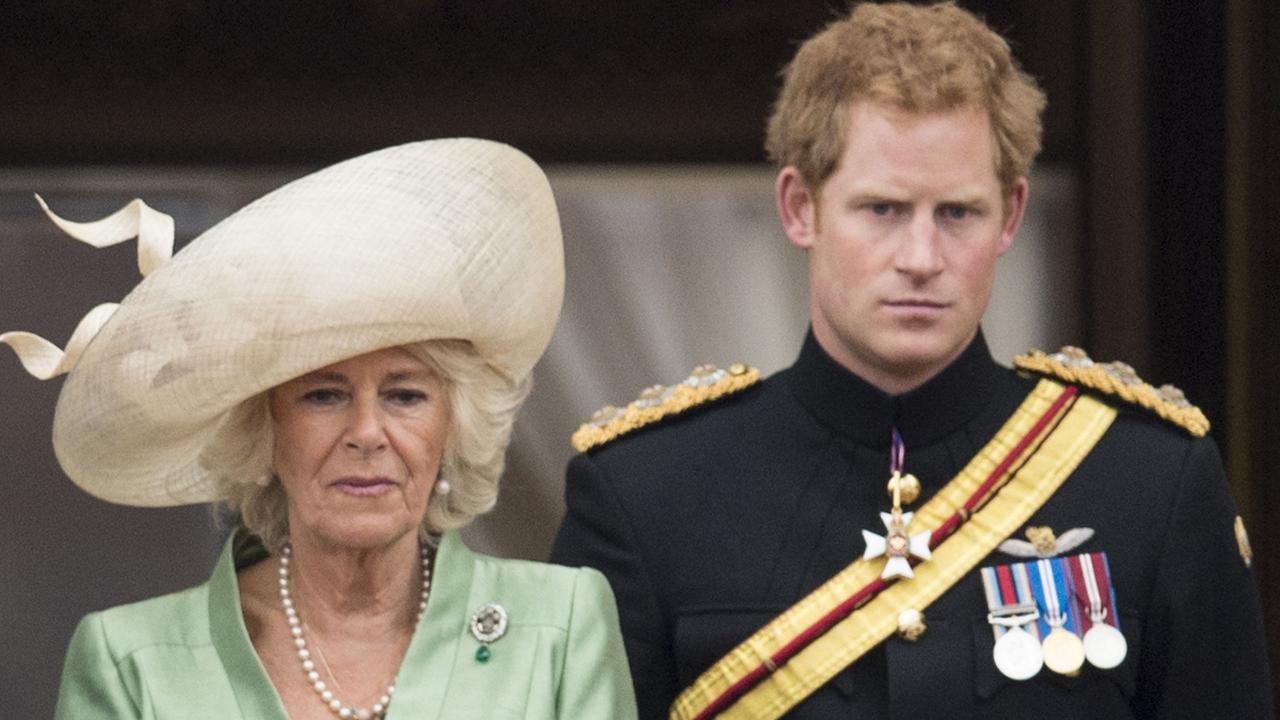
{"x":1165,"y":110}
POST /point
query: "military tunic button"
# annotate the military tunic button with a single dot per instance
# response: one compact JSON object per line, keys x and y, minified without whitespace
{"x":910,"y":487}
{"x":911,"y":625}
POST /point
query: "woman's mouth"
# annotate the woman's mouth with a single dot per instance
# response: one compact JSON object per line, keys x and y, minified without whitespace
{"x":364,"y":487}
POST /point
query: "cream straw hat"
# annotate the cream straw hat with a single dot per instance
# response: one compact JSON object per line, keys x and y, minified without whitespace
{"x":454,"y":238}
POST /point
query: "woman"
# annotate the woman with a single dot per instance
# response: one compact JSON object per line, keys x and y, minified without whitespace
{"x":340,"y":362}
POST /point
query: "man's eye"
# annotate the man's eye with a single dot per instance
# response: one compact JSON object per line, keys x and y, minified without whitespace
{"x":956,"y":212}
{"x":881,"y":209}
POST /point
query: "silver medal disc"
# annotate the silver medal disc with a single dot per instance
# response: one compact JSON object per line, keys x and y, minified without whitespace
{"x":1018,"y":655}
{"x":1063,"y":652}
{"x":1105,"y":646}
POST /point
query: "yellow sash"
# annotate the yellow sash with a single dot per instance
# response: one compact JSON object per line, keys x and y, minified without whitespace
{"x":1039,"y":472}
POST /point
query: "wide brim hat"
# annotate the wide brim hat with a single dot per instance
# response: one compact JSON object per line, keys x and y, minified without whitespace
{"x":441,"y":239}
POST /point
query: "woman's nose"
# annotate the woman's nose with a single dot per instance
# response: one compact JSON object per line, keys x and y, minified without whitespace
{"x":366,"y":431}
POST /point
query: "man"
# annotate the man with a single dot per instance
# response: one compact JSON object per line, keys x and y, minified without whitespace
{"x":762,"y":563}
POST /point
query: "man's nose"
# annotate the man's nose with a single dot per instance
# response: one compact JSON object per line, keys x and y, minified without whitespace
{"x":920,"y":253}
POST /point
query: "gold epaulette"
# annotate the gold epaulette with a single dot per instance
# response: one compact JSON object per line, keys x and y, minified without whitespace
{"x":1116,"y":378}
{"x":704,"y":384}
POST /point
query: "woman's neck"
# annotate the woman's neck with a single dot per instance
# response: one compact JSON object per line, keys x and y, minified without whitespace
{"x":356,"y":590}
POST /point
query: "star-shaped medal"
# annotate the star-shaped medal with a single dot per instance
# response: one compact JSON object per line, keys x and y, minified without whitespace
{"x":896,"y":545}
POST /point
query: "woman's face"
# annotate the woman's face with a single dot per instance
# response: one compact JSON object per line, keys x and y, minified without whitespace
{"x":358,"y":447}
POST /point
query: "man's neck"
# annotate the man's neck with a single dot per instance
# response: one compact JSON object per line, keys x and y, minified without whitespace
{"x":889,"y":379}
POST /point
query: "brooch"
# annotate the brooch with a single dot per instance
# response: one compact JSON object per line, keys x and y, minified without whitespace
{"x":488,"y":624}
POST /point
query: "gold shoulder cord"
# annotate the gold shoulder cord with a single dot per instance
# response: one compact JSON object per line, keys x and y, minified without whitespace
{"x":1117,"y":379}
{"x":704,"y":384}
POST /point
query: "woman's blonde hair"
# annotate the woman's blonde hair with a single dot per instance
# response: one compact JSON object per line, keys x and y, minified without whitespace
{"x":483,"y":406}
{"x":919,"y":59}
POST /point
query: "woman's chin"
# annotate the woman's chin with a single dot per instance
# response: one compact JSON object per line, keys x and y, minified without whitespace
{"x":364,"y":531}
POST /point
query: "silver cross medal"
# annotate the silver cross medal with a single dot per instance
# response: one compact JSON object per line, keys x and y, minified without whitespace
{"x":896,"y":544}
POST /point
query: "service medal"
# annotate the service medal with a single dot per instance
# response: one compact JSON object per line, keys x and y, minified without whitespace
{"x":1104,"y":646}
{"x":1018,"y":654}
{"x":1063,"y":652}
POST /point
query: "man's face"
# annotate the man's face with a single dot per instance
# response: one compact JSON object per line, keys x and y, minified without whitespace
{"x":902,"y":240}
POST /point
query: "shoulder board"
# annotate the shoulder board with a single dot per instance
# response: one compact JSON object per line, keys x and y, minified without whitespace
{"x":704,"y":384}
{"x":1115,"y":378}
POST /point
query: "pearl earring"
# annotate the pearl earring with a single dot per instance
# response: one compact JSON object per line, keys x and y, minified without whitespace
{"x":442,"y":487}
{"x":264,"y":479}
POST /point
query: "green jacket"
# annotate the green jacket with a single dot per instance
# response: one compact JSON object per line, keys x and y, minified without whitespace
{"x":188,"y":656}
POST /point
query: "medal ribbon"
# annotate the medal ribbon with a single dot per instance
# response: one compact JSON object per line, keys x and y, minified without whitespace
{"x":995,"y":597}
{"x":1009,"y":594}
{"x":1093,"y":590}
{"x":1053,"y":592}
{"x":897,"y":452}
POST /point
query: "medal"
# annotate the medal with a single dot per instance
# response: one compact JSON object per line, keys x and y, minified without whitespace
{"x":1017,"y":653}
{"x":1104,"y":644}
{"x":1058,"y":600}
{"x":896,"y":544}
{"x":1063,"y":650}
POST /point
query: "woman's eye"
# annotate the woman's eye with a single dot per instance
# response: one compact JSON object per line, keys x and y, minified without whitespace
{"x":406,"y":397}
{"x":881,"y":209}
{"x":323,"y":396}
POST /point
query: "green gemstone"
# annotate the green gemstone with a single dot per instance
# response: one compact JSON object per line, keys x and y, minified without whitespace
{"x":482,"y":654}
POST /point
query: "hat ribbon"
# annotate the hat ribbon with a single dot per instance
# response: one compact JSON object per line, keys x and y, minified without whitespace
{"x":154,"y":231}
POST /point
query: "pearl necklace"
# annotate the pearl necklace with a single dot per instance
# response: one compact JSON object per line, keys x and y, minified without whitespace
{"x":339,"y":708}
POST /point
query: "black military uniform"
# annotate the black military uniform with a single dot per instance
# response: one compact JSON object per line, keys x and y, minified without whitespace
{"x":710,"y":523}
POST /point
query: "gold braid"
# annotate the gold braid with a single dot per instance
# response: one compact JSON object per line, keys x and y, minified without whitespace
{"x":1118,"y":379}
{"x":705,"y":384}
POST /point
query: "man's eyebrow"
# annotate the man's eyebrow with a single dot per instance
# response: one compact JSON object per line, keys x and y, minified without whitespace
{"x":976,"y":200}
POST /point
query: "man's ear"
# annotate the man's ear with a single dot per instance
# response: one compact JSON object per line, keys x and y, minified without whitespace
{"x":1014,"y":208}
{"x":797,"y":207}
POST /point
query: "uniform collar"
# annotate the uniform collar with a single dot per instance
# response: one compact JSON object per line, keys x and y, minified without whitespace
{"x":854,"y":408}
